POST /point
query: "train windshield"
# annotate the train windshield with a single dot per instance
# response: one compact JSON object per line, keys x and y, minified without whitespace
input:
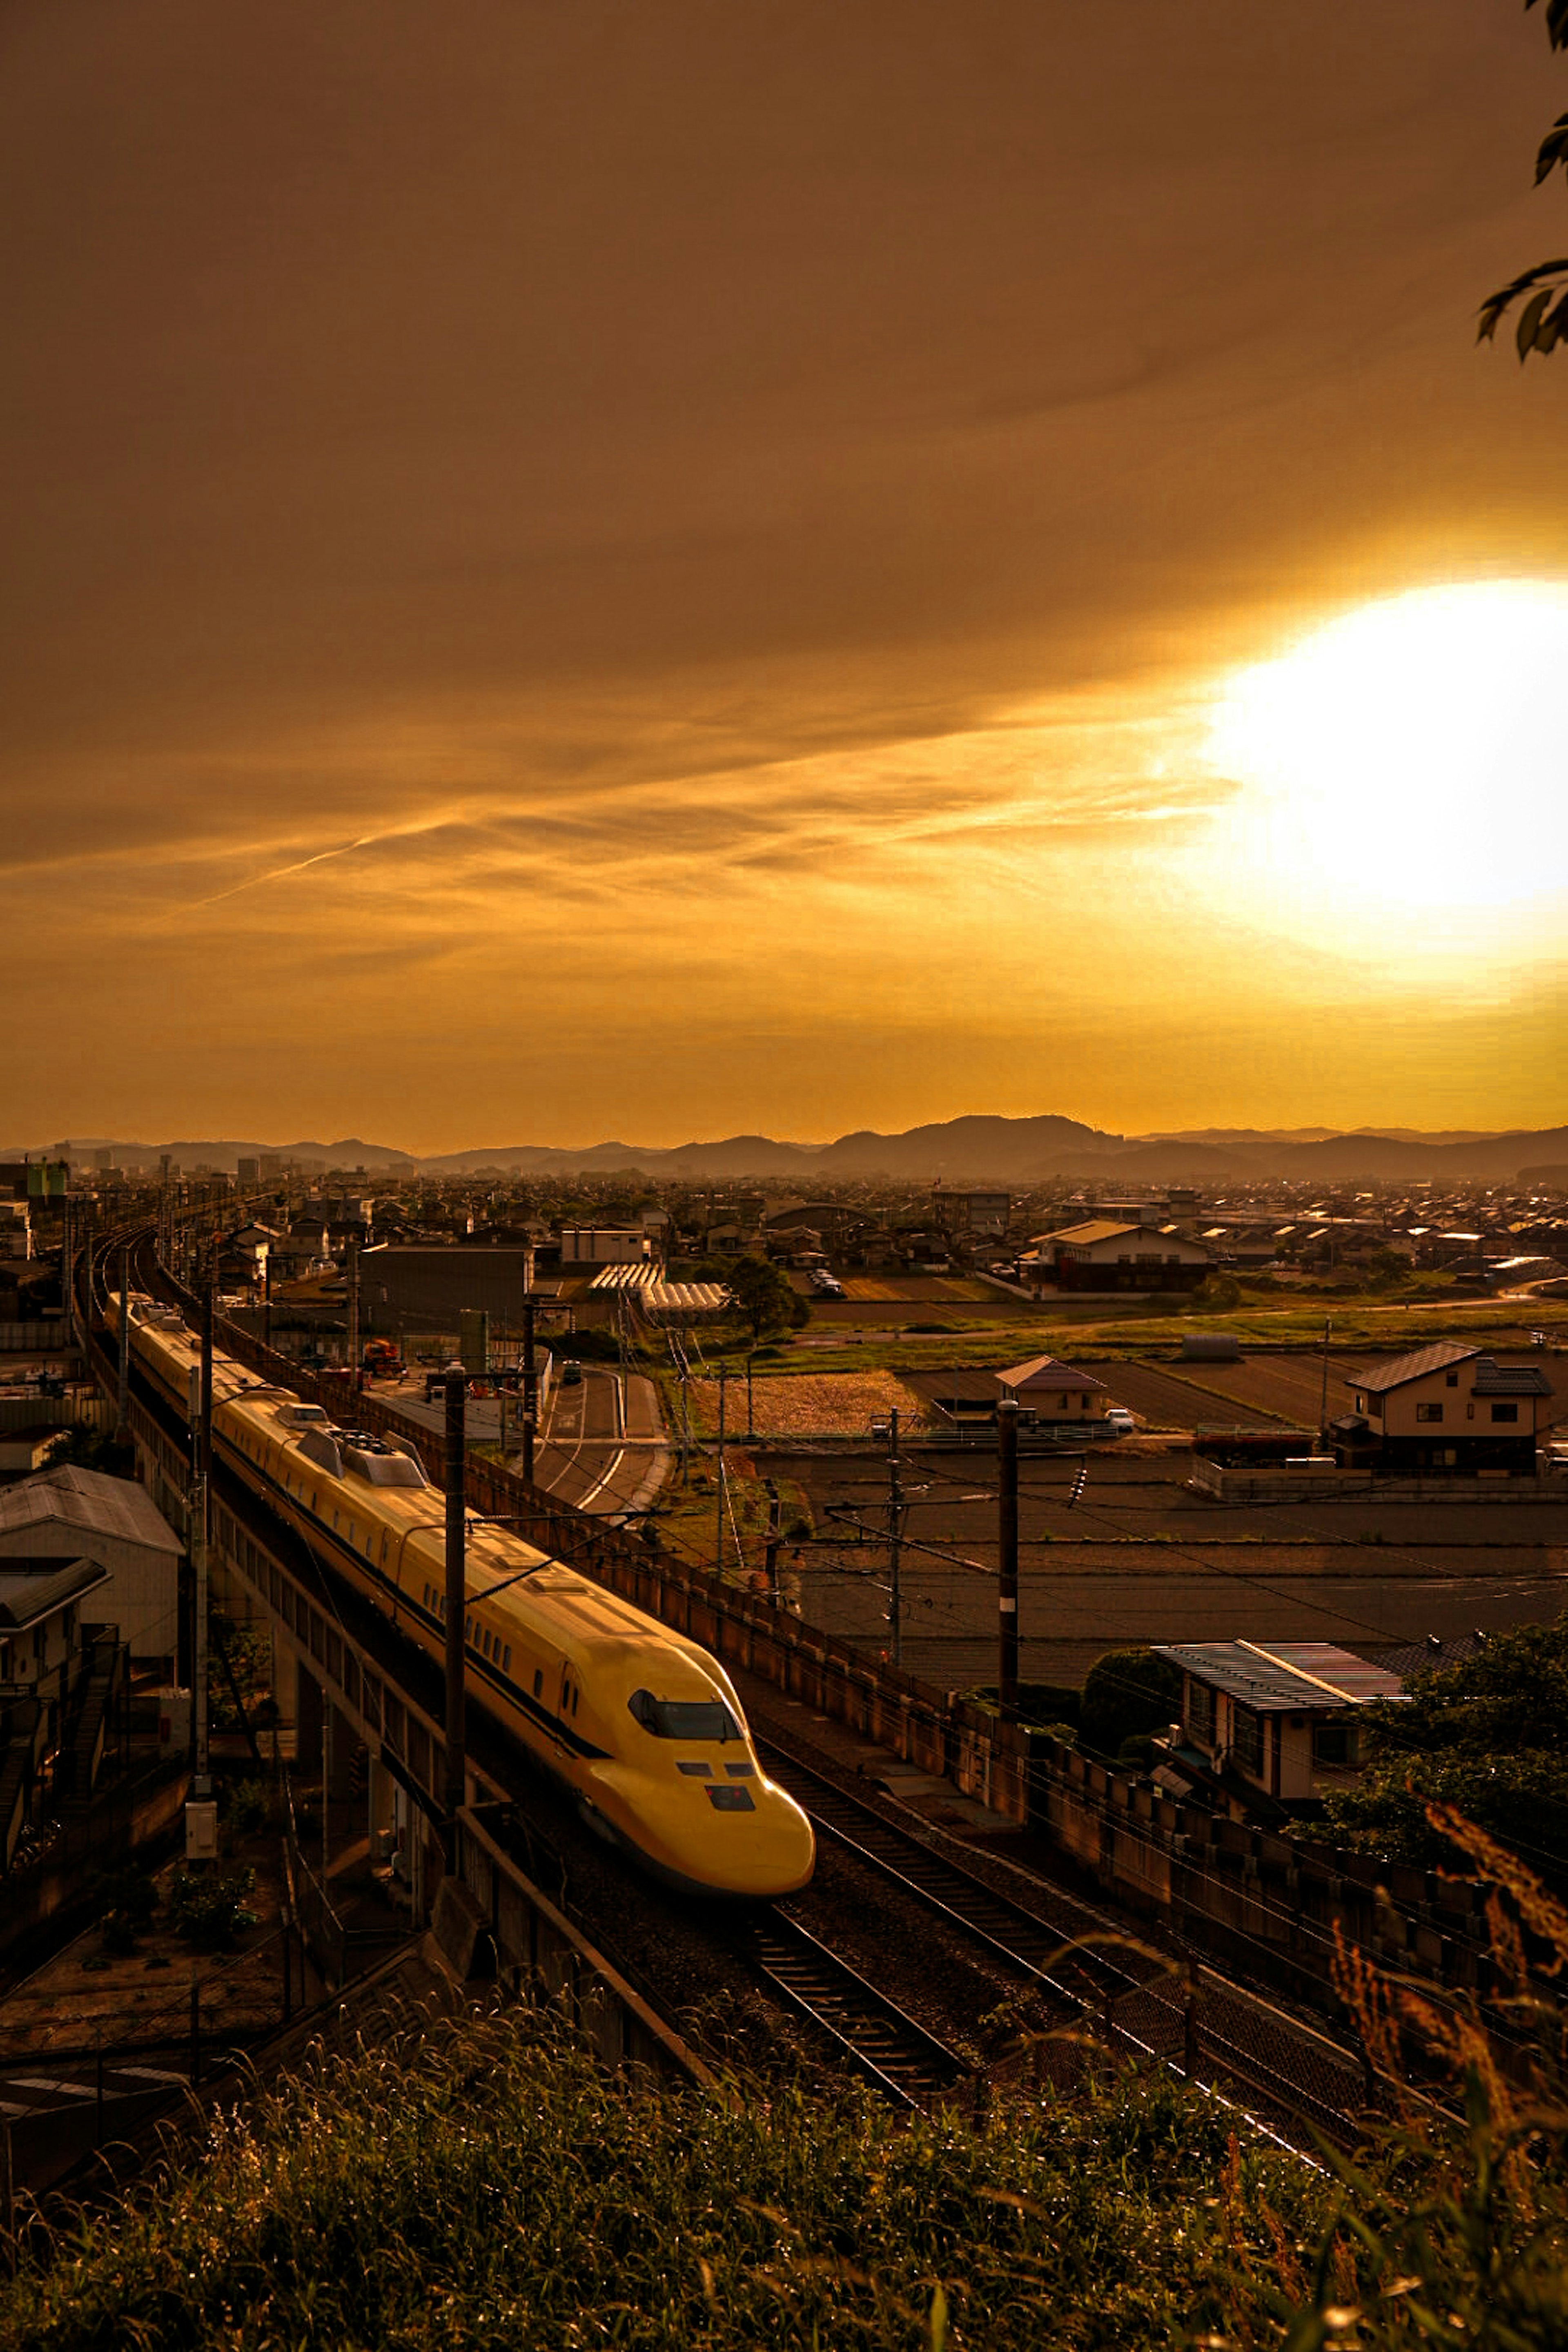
{"x":683,"y":1718}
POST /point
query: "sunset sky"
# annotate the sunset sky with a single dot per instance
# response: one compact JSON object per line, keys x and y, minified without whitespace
{"x":662,"y":569}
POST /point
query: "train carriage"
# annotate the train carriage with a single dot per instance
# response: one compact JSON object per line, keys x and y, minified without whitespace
{"x":641,"y":1724}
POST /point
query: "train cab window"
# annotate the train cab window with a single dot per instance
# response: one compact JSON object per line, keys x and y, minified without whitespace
{"x":683,"y":1718}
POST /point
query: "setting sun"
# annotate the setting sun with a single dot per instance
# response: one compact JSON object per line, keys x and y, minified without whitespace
{"x":1413,"y":751}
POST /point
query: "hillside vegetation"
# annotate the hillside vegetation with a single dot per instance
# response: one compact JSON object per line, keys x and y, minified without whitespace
{"x":481,"y":2183}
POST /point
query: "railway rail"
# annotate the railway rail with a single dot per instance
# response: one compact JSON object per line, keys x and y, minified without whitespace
{"x":1085,"y":1965}
{"x":1137,"y":2000}
{"x":885,"y":2045}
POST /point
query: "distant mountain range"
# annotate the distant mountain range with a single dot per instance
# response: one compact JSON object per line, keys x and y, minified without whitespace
{"x":974,"y":1150}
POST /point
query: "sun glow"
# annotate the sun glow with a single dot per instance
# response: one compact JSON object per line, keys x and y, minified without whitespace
{"x":1413,"y":753}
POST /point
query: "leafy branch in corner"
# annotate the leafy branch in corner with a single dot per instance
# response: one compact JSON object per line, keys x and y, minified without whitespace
{"x":1543,"y":291}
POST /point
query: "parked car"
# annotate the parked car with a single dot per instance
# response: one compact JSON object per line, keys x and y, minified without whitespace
{"x":1119,"y":1422}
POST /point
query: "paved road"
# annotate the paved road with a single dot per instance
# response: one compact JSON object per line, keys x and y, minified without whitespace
{"x":601,"y":1444}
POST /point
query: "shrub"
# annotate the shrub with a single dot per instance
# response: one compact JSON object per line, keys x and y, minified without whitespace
{"x":207,"y":1906}
{"x":1126,"y":1693}
{"x":123,"y":1903}
{"x":247,"y":1807}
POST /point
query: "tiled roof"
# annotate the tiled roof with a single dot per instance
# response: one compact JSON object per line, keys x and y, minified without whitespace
{"x":1047,"y":1373}
{"x":1510,"y":1379}
{"x":1438,"y":1358}
{"x":1097,"y":1229}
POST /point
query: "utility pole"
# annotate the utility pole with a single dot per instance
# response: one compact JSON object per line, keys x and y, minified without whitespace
{"x":267,"y":1298}
{"x":530,"y":1386}
{"x":1323,"y":1406}
{"x":353,"y":1316}
{"x":457,"y":1607}
{"x":1007,"y":1556}
{"x":719,"y":1524}
{"x":67,"y":1288}
{"x":750,"y":1423}
{"x":684,"y":1421}
{"x":199,"y":1538}
{"x":775,"y":1533}
{"x":895,"y":1531}
{"x":122,"y":1395}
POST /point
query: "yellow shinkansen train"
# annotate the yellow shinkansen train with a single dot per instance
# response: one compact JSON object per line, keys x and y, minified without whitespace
{"x":641,"y":1724}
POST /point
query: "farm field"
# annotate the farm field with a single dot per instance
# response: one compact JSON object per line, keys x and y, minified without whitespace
{"x":922,"y":1289}
{"x":805,"y":1404}
{"x":1290,"y":1386}
{"x":1139,"y":1559}
{"x":1166,"y":1400}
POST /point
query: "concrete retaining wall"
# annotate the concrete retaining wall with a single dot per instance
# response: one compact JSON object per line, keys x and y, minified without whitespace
{"x":1255,"y":1901}
{"x":1359,"y":1486}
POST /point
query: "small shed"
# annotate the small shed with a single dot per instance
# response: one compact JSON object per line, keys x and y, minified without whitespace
{"x":67,"y":1514}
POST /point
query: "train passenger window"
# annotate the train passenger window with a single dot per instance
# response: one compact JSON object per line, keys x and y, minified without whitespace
{"x":537,"y":1682}
{"x":727,"y":1800}
{"x":678,"y":1718}
{"x":506,"y":1658}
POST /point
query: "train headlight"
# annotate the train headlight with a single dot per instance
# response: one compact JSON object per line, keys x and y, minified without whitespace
{"x":725,"y":1798}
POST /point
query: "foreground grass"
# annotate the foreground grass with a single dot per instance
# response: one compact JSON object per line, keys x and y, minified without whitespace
{"x":484,"y":2185}
{"x":481,"y":2183}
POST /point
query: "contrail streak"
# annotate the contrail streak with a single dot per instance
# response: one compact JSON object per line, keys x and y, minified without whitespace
{"x":281,"y":873}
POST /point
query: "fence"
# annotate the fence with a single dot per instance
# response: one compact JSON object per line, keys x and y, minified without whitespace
{"x":310,"y":1907}
{"x":1270,"y":1905}
{"x":107,"y":2086}
{"x":49,"y":1336}
{"x":50,"y":1891}
{"x":491,"y":1917}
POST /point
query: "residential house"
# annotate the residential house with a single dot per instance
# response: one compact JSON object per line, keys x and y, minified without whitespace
{"x":1448,"y":1406}
{"x":1103,"y":1253}
{"x":1049,"y":1391}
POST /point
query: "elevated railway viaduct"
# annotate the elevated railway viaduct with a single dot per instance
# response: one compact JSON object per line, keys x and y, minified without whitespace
{"x":362,"y":1692}
{"x":1219,"y":1886}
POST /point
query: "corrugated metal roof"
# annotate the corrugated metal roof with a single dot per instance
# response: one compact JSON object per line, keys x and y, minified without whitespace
{"x":41,"y":1591}
{"x":90,"y":1500}
{"x":1284,"y":1677}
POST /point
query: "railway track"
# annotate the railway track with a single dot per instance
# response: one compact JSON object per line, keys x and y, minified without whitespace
{"x":887,"y":2048}
{"x":1085,"y":1965}
{"x":1135,"y":1998}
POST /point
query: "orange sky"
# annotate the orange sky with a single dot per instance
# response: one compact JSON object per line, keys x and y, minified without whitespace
{"x":655,"y":571}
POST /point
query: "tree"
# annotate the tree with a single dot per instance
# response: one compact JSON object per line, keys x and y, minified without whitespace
{"x":80,"y":1448}
{"x":1128,"y":1693}
{"x":1484,"y":1735}
{"x":765,"y":1295}
{"x":1543,"y":291}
